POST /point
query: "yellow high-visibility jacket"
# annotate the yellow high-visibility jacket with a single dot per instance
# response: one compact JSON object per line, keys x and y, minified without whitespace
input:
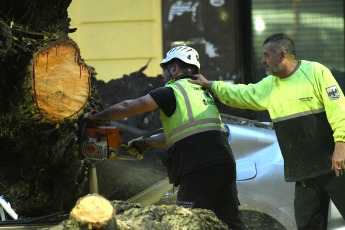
{"x":308,"y":113}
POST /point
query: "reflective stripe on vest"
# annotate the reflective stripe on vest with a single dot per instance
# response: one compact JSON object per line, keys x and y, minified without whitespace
{"x":216,"y":123}
{"x":194,"y":131}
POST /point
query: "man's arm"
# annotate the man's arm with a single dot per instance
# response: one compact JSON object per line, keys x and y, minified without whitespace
{"x":157,"y":141}
{"x":251,"y":96}
{"x":335,"y":110}
{"x":127,"y":108}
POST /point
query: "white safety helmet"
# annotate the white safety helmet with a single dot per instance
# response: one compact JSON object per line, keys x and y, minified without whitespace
{"x":185,"y":53}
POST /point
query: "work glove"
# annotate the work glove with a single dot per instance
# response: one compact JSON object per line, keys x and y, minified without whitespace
{"x":137,"y":147}
{"x":87,"y":115}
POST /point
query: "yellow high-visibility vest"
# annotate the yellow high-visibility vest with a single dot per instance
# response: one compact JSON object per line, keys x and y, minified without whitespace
{"x":195,"y":112}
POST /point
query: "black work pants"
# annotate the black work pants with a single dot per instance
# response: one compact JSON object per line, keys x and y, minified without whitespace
{"x":312,"y":200}
{"x":213,"y":188}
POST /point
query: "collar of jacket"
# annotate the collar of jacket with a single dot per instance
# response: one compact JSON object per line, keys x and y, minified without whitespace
{"x":182,"y":76}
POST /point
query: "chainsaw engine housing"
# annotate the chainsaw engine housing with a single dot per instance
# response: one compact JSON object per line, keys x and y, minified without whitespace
{"x":101,"y":143}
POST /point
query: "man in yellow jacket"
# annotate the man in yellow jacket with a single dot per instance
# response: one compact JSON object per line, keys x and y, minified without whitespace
{"x":307,"y":108}
{"x":200,"y":158}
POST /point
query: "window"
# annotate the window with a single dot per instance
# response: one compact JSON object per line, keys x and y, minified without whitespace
{"x":317,"y":27}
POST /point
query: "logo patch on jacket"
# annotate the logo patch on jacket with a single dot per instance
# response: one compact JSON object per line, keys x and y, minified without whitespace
{"x":333,"y":92}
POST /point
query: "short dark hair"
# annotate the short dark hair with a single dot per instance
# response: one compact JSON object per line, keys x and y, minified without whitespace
{"x":283,"y":42}
{"x":185,"y":67}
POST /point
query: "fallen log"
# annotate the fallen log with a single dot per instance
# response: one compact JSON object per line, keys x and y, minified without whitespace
{"x":130,"y":216}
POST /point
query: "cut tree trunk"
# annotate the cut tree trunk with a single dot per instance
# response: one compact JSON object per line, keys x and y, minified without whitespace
{"x":61,"y":81}
{"x":44,"y":88}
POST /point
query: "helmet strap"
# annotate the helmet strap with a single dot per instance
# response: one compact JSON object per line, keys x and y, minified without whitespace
{"x":172,"y":78}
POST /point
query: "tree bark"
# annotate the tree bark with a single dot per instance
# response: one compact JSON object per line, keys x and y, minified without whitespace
{"x":44,"y":88}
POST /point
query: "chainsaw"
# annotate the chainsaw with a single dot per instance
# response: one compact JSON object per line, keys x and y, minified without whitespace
{"x":102,"y":143}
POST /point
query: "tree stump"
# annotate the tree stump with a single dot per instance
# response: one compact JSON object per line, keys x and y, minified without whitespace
{"x":93,"y":212}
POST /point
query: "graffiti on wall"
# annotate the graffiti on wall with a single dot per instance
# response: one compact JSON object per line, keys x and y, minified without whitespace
{"x":180,"y":7}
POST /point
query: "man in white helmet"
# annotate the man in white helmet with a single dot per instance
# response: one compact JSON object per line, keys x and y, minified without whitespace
{"x":199,"y":159}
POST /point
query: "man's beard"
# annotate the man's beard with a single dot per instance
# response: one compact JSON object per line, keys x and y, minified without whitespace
{"x":278,"y":68}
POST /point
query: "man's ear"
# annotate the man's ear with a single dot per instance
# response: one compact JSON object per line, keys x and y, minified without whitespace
{"x":282,"y":55}
{"x":175,"y":69}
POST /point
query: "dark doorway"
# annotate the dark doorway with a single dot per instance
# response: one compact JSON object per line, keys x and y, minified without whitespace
{"x":212,"y":27}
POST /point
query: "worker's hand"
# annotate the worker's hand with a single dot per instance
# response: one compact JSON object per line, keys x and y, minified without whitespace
{"x":137,"y":147}
{"x":202,"y":81}
{"x":338,"y":159}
